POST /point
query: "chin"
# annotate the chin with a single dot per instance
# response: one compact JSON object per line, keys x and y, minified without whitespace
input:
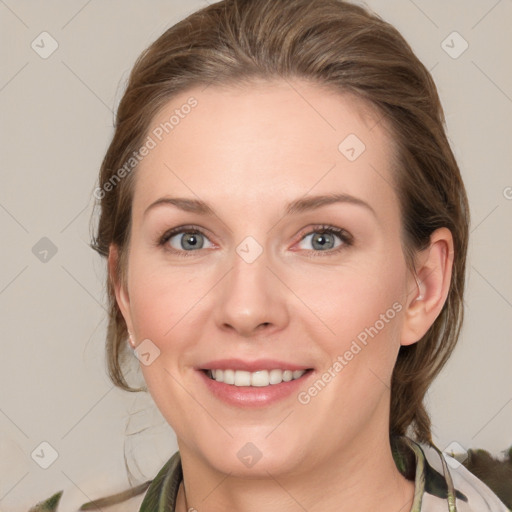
{"x":258,"y":458}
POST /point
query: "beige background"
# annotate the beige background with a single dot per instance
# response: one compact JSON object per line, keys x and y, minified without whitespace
{"x":56,"y":124}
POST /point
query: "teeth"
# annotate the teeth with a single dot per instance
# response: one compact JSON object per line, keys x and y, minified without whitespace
{"x":260,"y":378}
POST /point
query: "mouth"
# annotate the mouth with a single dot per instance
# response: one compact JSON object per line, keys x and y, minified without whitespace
{"x":259,"y":378}
{"x":254,"y":389}
{"x":253,"y":383}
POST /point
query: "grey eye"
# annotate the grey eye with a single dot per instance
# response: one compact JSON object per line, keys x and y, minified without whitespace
{"x":187,"y":240}
{"x":320,"y":240}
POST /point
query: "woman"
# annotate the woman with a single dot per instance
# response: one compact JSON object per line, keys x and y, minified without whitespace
{"x":286,"y":231}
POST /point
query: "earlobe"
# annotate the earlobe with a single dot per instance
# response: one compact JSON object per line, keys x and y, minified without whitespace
{"x":431,"y":288}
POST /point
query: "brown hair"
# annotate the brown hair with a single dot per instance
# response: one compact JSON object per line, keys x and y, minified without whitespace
{"x":346,"y":48}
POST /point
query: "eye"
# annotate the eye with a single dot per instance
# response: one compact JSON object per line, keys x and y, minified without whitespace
{"x":184,"y":239}
{"x":323,"y":239}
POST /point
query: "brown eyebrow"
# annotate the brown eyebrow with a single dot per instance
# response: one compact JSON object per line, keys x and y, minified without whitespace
{"x":300,"y":205}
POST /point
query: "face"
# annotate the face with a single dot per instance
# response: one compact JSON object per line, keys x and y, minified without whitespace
{"x":267,"y":274}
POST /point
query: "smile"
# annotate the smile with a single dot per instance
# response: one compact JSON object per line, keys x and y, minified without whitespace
{"x":260,"y":378}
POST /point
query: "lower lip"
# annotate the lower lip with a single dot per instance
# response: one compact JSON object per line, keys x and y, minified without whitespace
{"x":254,"y":396}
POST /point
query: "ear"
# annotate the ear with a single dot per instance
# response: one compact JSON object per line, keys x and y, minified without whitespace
{"x":434,"y":275}
{"x":122,"y":297}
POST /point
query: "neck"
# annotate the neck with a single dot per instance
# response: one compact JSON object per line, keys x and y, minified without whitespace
{"x":339,"y":484}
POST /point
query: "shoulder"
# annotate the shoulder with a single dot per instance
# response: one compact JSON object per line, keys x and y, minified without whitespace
{"x":471,"y":493}
{"x":143,"y":496}
{"x":129,"y":500}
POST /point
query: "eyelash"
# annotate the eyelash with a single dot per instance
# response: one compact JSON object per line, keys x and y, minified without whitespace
{"x":344,"y":236}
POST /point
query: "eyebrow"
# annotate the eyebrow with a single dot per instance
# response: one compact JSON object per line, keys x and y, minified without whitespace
{"x":300,"y":205}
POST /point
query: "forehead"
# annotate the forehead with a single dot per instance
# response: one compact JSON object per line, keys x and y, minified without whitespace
{"x":276,"y":140}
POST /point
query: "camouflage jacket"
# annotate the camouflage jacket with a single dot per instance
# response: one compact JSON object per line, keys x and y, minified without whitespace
{"x":441,"y":484}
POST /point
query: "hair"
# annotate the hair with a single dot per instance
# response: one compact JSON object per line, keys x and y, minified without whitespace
{"x":331,"y":43}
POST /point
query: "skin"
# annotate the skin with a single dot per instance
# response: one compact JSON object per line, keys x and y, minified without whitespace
{"x":248,"y":152}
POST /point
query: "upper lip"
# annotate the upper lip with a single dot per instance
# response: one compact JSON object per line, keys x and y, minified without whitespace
{"x":251,"y":366}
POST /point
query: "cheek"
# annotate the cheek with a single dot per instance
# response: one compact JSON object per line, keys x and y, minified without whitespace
{"x":361,"y":354}
{"x":160,"y":297}
{"x":162,"y":304}
{"x":362,"y":314}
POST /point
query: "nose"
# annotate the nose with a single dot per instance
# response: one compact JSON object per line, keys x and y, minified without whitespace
{"x":253,"y":300}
